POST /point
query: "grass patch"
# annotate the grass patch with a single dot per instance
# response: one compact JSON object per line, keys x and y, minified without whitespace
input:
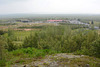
{"x":27,"y":55}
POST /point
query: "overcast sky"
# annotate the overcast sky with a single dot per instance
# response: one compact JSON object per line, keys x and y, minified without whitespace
{"x":50,"y":6}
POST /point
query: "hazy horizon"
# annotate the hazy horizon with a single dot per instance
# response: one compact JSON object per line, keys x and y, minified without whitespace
{"x":49,"y":14}
{"x":49,"y":7}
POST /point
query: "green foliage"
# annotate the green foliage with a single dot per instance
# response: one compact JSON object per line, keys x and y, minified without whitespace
{"x":2,"y":53}
{"x":2,"y":63}
{"x":64,"y":39}
{"x":10,"y":45}
{"x":21,"y":55}
{"x":46,"y":38}
{"x":96,"y":48}
{"x":10,"y":33}
{"x":74,"y":26}
{"x":32,"y":52}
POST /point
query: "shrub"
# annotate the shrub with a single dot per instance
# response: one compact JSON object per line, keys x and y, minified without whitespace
{"x":2,"y":53}
{"x":10,"y":45}
{"x":32,"y":52}
{"x":96,"y":48}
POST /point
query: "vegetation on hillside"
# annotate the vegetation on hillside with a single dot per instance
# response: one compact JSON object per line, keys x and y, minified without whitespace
{"x":16,"y":46}
{"x":64,"y":39}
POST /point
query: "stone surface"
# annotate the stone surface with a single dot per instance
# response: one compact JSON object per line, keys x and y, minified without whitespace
{"x":50,"y":61}
{"x":87,"y":65}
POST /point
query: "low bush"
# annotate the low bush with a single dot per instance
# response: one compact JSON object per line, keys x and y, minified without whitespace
{"x":32,"y":52}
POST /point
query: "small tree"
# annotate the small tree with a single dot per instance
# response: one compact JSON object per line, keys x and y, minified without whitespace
{"x":96,"y":48}
{"x":78,"y":19}
{"x":10,"y":45}
{"x":10,"y":33}
{"x":92,"y":22}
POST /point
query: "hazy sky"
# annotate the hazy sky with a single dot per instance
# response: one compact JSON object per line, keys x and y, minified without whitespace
{"x":50,"y":6}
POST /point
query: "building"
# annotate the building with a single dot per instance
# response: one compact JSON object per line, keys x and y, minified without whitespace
{"x":54,"y":20}
{"x":23,"y":20}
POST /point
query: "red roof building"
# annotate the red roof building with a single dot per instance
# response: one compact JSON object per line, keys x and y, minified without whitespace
{"x":54,"y":20}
